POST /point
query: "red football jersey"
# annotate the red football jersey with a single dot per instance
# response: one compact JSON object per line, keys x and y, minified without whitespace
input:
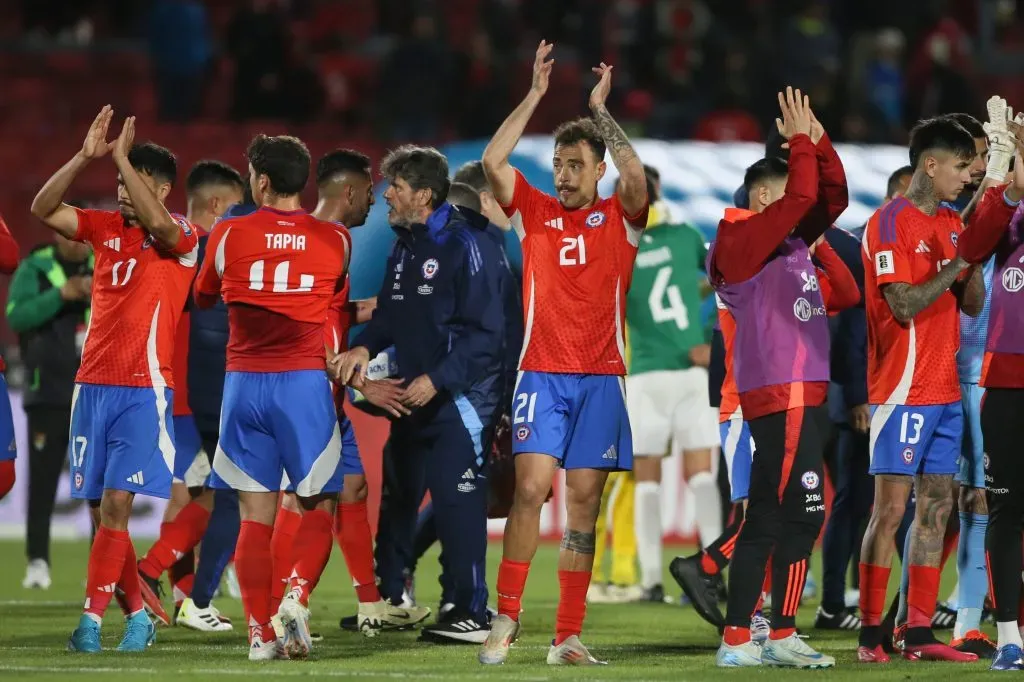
{"x":577,"y":266}
{"x":179,"y":366}
{"x":277,"y":272}
{"x":138,"y":294}
{"x":913,"y":363}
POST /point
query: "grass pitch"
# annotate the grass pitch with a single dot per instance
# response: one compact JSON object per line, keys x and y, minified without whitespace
{"x":640,"y":641}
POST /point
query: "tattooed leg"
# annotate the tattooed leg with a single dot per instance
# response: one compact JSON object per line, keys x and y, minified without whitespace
{"x":582,"y":504}
{"x":934,"y":502}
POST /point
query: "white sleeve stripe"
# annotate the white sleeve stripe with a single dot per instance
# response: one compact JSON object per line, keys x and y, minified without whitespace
{"x":218,"y":258}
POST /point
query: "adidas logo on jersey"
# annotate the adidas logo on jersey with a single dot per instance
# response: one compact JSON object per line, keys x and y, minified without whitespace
{"x":922,"y":247}
{"x":114,"y":243}
{"x":468,"y":475}
{"x":135,"y":478}
{"x":610,"y":453}
{"x":555,"y":223}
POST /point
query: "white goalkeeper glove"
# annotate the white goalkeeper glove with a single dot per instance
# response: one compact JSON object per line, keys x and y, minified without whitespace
{"x":1000,"y":142}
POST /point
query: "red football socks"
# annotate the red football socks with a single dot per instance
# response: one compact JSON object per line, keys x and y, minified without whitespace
{"x":736,"y":636}
{"x":874,"y":580}
{"x":182,"y":574}
{"x":286,"y":525}
{"x":129,"y":582}
{"x":255,"y":573}
{"x":177,"y":538}
{"x":572,"y":604}
{"x":356,"y":542}
{"x":510,"y":586}
{"x":921,"y":595}
{"x":312,"y":549}
{"x":106,"y":562}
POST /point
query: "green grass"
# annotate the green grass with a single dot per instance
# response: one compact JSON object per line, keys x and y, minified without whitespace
{"x":641,"y":641}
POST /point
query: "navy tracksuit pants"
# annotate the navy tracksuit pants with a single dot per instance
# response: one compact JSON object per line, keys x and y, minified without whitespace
{"x":445,"y":456}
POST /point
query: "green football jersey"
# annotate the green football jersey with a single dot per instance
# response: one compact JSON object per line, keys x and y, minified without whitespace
{"x":663,"y":305}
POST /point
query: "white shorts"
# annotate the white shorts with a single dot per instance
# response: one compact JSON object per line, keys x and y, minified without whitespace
{"x":671,"y":407}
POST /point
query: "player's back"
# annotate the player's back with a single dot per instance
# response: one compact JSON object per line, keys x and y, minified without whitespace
{"x":664,"y":295}
{"x":279,"y":273}
{"x":577,"y":268}
{"x":912,"y":363}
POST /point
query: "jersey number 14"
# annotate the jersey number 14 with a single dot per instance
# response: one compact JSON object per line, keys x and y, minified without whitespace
{"x":280,"y":283}
{"x":675,"y":310}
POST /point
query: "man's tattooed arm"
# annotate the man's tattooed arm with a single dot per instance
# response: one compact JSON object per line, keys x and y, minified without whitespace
{"x":632,"y":181}
{"x":907,"y":300}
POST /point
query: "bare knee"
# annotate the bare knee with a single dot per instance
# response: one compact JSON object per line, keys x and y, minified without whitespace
{"x":290,"y":502}
{"x":532,"y":492}
{"x":583,"y":498}
{"x":696,"y":462}
{"x":647,"y":468}
{"x":973,"y":500}
{"x":355,"y":489}
{"x":116,"y":508}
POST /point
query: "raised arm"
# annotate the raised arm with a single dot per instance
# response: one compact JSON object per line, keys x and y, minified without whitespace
{"x":833,"y":193}
{"x":500,"y":174}
{"x":48,"y":204}
{"x":632,"y":188}
{"x":153,"y":217}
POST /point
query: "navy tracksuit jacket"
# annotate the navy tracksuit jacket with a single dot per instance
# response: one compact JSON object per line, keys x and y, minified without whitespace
{"x":441,"y":306}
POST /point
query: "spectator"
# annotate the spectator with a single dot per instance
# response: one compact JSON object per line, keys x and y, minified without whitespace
{"x":179,"y":47}
{"x":257,"y":42}
{"x":48,"y":307}
{"x":484,"y":82}
{"x":810,"y":48}
{"x":416,"y":73}
{"x":884,"y":82}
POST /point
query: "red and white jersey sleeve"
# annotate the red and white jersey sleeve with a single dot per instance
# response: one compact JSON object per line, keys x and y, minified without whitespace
{"x":138,"y":295}
{"x":577,"y":267}
{"x":912,"y":363}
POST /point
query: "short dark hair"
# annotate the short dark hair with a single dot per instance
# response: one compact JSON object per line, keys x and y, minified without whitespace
{"x":581,"y":130}
{"x":154,"y":160}
{"x":968,"y":123}
{"x":421,"y":167}
{"x":768,"y":168}
{"x":940,"y":134}
{"x":463,"y":194}
{"x":283,"y":159}
{"x":341,"y":161}
{"x":472,"y":174}
{"x":210,"y":172}
{"x":894,"y":180}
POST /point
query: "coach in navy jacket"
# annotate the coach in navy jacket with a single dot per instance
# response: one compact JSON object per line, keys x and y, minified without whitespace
{"x":441,"y":306}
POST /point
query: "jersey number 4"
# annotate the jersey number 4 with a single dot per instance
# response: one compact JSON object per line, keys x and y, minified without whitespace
{"x":675,"y":310}
{"x":280,"y":283}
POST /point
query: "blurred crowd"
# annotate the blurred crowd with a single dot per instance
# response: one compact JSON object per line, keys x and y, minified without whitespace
{"x":407,"y":69}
